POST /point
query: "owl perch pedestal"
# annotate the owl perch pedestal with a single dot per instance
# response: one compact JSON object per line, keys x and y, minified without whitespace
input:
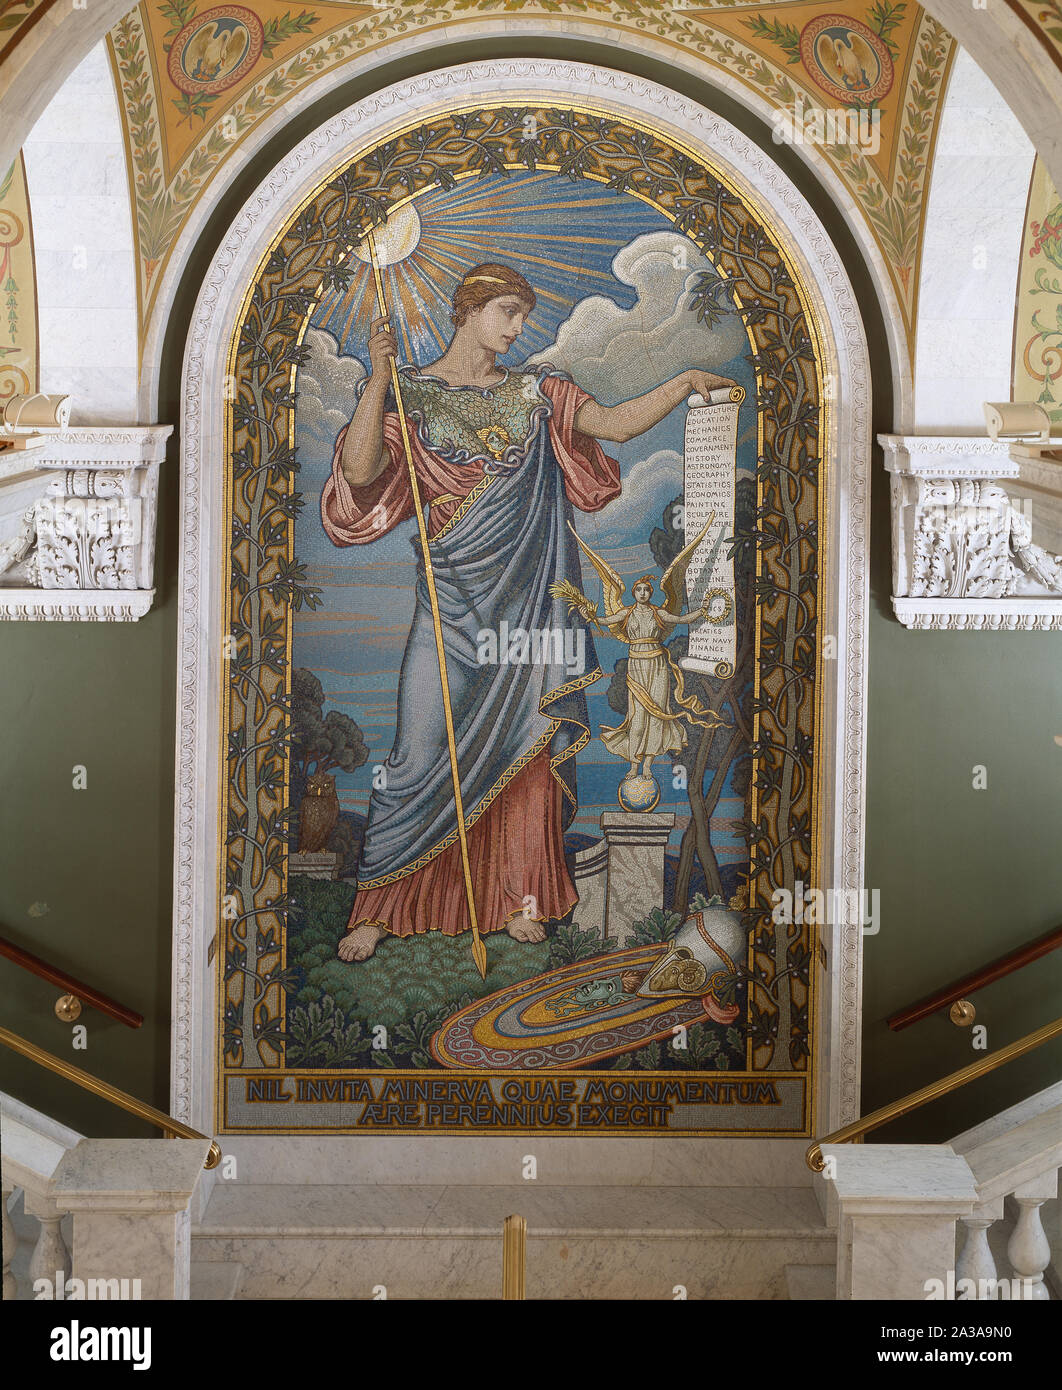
{"x":324,"y":864}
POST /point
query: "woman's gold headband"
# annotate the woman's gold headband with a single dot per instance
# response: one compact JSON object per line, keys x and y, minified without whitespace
{"x":486,"y":279}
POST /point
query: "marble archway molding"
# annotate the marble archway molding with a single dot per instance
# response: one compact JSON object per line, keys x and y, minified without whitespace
{"x":32,"y":71}
{"x":1021,"y":65}
{"x":519,"y":26}
{"x":200,"y":635}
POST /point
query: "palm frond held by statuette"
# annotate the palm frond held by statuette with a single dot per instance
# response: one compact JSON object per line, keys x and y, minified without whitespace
{"x":574,"y":598}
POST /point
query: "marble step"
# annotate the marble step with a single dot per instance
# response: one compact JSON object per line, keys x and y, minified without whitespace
{"x":343,"y":1242}
{"x":215,"y":1281}
{"x":811,"y":1283}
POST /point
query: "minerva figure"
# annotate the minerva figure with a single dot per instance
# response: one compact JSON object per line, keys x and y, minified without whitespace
{"x":502,"y":457}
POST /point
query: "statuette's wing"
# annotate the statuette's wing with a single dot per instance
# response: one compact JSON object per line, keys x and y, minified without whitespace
{"x":675,"y":575}
{"x":611,"y":583}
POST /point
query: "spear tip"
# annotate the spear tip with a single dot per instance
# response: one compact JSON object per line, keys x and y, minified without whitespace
{"x":479,"y":955}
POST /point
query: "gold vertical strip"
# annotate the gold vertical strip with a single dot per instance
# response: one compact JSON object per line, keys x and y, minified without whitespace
{"x":514,"y":1257}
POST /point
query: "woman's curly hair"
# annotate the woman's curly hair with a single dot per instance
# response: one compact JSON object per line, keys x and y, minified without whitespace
{"x":486,"y":282}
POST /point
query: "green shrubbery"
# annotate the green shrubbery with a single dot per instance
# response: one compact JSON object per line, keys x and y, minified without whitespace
{"x":409,"y":986}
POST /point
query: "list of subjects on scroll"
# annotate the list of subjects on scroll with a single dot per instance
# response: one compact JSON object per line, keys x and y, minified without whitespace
{"x":710,"y":450}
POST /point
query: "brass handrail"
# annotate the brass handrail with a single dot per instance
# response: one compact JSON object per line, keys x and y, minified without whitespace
{"x":173,"y":1129}
{"x":896,"y":1108}
{"x":977,"y":979}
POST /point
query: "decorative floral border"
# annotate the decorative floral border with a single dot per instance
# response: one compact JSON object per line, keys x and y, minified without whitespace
{"x":18,"y":287}
{"x":1036,"y":358}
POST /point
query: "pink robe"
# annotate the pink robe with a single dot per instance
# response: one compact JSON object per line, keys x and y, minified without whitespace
{"x":516,"y":849}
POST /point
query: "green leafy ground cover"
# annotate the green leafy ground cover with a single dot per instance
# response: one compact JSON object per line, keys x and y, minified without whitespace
{"x":412,"y":986}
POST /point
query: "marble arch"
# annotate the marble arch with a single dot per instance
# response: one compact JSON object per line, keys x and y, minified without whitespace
{"x":844,"y":356}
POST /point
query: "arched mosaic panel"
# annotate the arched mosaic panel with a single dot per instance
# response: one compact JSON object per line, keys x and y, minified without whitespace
{"x":646,"y":265}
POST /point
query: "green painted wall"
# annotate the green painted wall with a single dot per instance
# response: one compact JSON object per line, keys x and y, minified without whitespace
{"x":964,"y":875}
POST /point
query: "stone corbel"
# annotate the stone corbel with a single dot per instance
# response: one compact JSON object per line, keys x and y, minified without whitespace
{"x":77,"y":525}
{"x":963,"y":556}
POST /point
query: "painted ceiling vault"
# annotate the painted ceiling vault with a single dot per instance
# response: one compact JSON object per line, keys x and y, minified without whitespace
{"x":195,"y":78}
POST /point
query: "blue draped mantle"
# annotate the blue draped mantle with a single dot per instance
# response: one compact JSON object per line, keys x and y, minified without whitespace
{"x":494,"y":562}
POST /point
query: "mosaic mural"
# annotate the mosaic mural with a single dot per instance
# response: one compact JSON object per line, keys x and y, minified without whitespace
{"x":500,"y":854}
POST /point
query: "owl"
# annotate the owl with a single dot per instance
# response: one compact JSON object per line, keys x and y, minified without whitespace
{"x":318,"y":813}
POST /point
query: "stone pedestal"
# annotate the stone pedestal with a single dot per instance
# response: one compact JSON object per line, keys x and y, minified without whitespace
{"x":637,"y":843}
{"x":590,"y":876}
{"x":898,"y":1207}
{"x":324,"y":864}
{"x":963,"y":556}
{"x":83,"y":547}
{"x":129,"y":1200}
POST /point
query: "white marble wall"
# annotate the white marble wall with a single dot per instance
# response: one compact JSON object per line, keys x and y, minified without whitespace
{"x":83,"y":238}
{"x":977,"y":197}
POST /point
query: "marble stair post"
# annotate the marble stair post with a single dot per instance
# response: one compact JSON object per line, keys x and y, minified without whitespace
{"x":1014,"y":1158}
{"x":33,"y":1148}
{"x":129,"y":1199}
{"x":976,"y":1260}
{"x":898,"y":1207}
{"x":8,"y":1237}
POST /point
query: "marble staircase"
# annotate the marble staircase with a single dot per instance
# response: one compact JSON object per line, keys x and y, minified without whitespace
{"x":444,"y":1241}
{"x":338,"y":1217}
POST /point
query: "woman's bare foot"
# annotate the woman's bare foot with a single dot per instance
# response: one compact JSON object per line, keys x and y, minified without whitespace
{"x":361,"y":942}
{"x":526,"y":929}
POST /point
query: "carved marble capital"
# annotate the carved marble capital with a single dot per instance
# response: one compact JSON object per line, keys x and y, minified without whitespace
{"x":963,"y":556}
{"x":77,"y":525}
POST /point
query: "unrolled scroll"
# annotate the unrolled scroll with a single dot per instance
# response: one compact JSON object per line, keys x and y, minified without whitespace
{"x":710,"y":451}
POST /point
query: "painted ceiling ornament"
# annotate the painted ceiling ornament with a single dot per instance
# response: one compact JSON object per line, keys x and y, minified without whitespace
{"x":846,"y":58}
{"x":215,"y":50}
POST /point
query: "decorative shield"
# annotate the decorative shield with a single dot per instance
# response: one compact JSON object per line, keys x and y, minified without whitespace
{"x":569,"y":1017}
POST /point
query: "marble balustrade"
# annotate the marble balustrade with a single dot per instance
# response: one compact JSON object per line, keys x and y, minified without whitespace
{"x":950,"y":1221}
{"x":113,"y":1215}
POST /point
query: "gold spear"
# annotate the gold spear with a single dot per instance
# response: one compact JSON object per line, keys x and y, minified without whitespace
{"x":479,"y":950}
